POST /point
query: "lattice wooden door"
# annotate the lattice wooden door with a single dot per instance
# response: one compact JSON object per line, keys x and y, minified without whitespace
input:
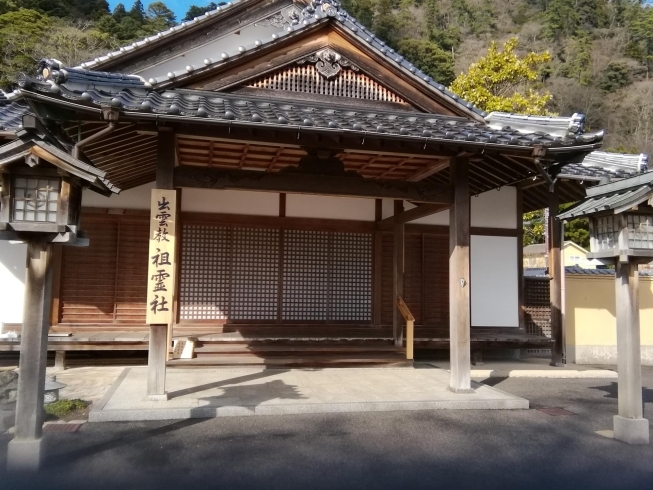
{"x":265,"y":274}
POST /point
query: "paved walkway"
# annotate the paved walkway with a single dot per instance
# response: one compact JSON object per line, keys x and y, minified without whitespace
{"x":201,"y":393}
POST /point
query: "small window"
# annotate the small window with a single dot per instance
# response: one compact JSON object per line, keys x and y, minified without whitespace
{"x":36,"y":199}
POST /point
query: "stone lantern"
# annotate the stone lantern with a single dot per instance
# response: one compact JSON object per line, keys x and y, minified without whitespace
{"x":40,"y":205}
{"x":621,"y":234}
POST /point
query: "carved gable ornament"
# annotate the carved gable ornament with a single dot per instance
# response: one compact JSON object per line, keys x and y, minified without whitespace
{"x":328,"y":63}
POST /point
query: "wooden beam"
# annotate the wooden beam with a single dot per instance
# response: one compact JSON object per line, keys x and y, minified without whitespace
{"x":213,"y":178}
{"x":555,"y":273}
{"x":160,"y":333}
{"x":520,"y":260}
{"x":55,"y":304}
{"x":431,"y":169}
{"x":24,"y":451}
{"x":166,"y":147}
{"x":5,"y":197}
{"x":411,"y":215}
{"x":459,"y":279}
{"x":398,"y":276}
{"x":282,"y":205}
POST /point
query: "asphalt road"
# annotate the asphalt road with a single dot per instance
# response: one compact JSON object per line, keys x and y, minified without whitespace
{"x":435,"y":449}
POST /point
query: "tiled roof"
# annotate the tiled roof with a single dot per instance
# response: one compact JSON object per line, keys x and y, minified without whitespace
{"x":11,"y":115}
{"x":616,"y":196}
{"x":95,"y":89}
{"x":317,"y":12}
{"x":600,"y":164}
{"x":21,"y":147}
{"x":54,"y":71}
{"x":557,"y":126}
{"x":577,"y":270}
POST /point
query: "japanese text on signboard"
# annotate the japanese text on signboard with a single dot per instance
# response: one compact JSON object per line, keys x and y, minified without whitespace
{"x":161,"y":266}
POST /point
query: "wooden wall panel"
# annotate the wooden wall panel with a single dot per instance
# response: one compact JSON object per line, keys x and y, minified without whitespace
{"x":106,"y":282}
{"x":426,"y":279}
{"x":387,"y":303}
{"x":234,"y":273}
{"x":131,"y":283}
{"x":436,"y":280}
{"x":88,"y":279}
{"x":413,"y":271}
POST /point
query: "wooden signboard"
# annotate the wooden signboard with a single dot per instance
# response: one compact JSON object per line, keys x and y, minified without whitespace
{"x":162,"y":257}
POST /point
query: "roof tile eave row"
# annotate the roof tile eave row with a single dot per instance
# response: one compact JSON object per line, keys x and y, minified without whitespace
{"x":253,"y":110}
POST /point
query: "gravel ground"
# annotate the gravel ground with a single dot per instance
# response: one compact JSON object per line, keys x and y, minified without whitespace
{"x":431,"y":449}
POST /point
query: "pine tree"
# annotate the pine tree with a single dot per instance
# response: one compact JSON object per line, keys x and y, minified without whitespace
{"x":137,"y":12}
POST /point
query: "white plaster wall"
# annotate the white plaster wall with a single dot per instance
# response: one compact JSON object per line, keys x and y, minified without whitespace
{"x":229,"y":202}
{"x":12,"y":281}
{"x":495,"y":209}
{"x":327,"y":207}
{"x":494,"y":281}
{"x":492,"y":209}
{"x":136,"y":198}
{"x":441,"y":218}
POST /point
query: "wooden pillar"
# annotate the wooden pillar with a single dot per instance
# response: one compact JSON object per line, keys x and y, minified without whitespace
{"x":24,"y":452}
{"x":398,"y":276}
{"x":520,"y":260}
{"x":156,"y":363}
{"x":555,"y":285}
{"x":459,"y":287}
{"x":60,"y":360}
{"x":159,"y":339}
{"x":629,"y":425}
{"x":377,"y":302}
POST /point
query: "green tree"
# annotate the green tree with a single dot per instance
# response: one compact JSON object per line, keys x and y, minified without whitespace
{"x":119,"y":13}
{"x":195,"y":11}
{"x":363,"y":10}
{"x":640,"y":28}
{"x":579,"y":59}
{"x":429,"y":58}
{"x":561,"y":19}
{"x":576,"y":230}
{"x":503,"y":81}
{"x":20,"y":34}
{"x":533,"y":227}
{"x":137,"y":12}
{"x":160,"y":16}
{"x":614,"y":77}
{"x":385,"y":22}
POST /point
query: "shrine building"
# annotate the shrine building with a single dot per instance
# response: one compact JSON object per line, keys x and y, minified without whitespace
{"x":282,"y":188}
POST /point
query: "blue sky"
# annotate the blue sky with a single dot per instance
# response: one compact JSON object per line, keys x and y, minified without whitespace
{"x":179,"y":7}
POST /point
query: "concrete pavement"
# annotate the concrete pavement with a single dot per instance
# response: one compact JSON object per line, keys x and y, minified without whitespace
{"x":219,"y":392}
{"x":426,"y":449}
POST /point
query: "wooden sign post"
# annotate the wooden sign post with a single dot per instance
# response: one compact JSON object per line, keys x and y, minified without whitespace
{"x":161,"y":286}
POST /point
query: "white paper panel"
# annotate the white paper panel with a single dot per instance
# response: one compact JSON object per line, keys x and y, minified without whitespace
{"x":494,"y":281}
{"x":12,"y":281}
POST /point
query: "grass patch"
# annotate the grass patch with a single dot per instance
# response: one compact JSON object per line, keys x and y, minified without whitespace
{"x":62,"y":408}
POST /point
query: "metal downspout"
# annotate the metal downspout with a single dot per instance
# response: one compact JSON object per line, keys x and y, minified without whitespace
{"x":100,"y":134}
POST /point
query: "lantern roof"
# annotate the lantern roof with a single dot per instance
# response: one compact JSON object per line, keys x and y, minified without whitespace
{"x":616,"y":197}
{"x":29,"y":144}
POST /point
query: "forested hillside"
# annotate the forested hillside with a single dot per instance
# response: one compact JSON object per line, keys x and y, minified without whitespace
{"x":600,"y":52}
